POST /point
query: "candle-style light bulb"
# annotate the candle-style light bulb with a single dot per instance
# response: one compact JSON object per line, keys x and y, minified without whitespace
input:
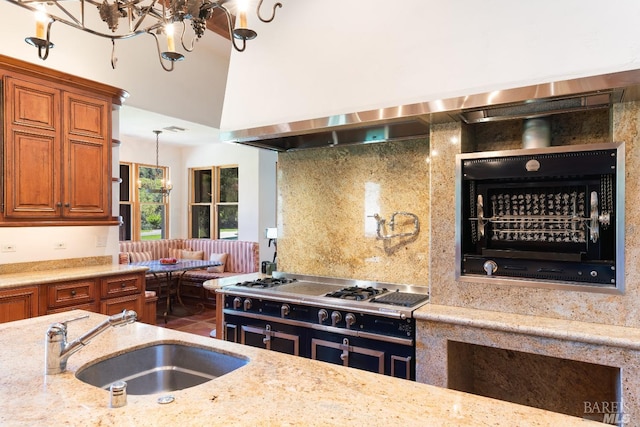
{"x":171,"y":45}
{"x":41,"y":22}
{"x":243,"y":5}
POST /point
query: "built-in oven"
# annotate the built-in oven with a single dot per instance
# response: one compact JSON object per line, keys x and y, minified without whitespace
{"x":362,"y":327}
{"x":550,"y":215}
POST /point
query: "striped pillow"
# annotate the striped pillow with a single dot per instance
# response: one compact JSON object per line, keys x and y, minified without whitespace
{"x":140,"y":256}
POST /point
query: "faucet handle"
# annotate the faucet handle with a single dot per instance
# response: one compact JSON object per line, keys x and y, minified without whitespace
{"x":73,"y":320}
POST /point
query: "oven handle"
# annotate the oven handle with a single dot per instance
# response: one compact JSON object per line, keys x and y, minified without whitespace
{"x":325,"y":328}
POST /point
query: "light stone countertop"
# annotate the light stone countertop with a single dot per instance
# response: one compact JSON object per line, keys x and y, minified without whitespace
{"x":273,"y":389}
{"x":570,"y":330}
{"x":213,"y":284}
{"x":27,"y":278}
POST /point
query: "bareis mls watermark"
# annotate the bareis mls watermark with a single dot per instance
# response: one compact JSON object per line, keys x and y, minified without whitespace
{"x":612,"y":412}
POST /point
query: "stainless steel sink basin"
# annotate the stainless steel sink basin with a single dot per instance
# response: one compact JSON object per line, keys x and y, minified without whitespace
{"x":160,"y":368}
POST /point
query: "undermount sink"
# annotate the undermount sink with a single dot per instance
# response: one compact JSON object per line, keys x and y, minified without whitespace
{"x":160,"y":368}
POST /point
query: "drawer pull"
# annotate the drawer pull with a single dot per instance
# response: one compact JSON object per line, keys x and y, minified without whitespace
{"x":123,"y":285}
{"x":73,"y":292}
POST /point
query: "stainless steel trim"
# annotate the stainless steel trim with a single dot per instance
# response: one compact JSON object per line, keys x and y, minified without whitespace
{"x":407,"y":362}
{"x":615,"y":87}
{"x":347,"y":348}
{"x":416,"y":289}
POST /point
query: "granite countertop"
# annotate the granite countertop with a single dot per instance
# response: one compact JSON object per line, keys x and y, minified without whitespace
{"x":214,"y":284}
{"x":272,"y":389}
{"x":27,"y":278}
{"x":571,"y":330}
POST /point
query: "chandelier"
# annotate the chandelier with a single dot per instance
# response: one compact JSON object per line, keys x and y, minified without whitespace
{"x":123,"y":19}
{"x":159,"y":185}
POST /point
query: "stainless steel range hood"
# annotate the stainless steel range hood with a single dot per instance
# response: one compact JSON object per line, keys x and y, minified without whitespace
{"x":413,"y":120}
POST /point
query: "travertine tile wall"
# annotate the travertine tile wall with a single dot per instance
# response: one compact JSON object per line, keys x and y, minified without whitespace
{"x":323,"y":206}
{"x":325,"y":197}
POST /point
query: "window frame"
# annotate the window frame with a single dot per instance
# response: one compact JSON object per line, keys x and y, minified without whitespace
{"x":215,"y":203}
{"x":136,"y":204}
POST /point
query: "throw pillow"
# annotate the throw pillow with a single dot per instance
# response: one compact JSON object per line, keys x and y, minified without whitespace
{"x":123,"y":258}
{"x":175,"y":253}
{"x":185,"y":254}
{"x":140,"y":256}
{"x":219,"y":268}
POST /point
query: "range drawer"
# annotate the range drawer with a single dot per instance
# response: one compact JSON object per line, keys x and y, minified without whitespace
{"x":116,"y":286}
{"x":71,"y":293}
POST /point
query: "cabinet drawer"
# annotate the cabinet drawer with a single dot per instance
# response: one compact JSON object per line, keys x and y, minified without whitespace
{"x":71,"y":293}
{"x":88,"y":307}
{"x":116,"y":286}
{"x":116,"y":305}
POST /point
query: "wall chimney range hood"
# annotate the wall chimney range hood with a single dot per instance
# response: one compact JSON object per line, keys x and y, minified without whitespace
{"x":413,"y":120}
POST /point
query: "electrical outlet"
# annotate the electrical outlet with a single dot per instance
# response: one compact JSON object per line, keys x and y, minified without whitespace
{"x":101,"y":241}
{"x":59,"y":245}
{"x":8,"y":247}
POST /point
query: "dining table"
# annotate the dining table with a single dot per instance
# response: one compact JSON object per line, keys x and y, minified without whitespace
{"x":170,"y":271}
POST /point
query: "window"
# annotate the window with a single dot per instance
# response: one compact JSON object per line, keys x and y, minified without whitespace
{"x":143,"y":208}
{"x":126,"y":202}
{"x":214,"y":202}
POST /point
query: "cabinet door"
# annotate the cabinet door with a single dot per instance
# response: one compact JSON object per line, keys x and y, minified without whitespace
{"x":113,"y":306}
{"x":18,"y":304}
{"x":87,"y":156}
{"x":32,"y":150}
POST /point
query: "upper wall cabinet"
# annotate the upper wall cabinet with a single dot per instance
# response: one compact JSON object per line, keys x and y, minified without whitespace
{"x":56,"y":148}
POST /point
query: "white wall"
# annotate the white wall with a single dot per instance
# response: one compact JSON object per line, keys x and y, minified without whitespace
{"x":320,"y":58}
{"x":257,"y":186}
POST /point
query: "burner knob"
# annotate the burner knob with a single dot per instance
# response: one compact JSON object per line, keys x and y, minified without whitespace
{"x":237,"y":302}
{"x":284,"y":310}
{"x":350,"y":319}
{"x":322,"y":315}
{"x":247,"y":304}
{"x":336,"y":317}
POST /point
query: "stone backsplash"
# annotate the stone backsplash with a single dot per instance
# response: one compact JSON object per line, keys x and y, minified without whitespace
{"x":326,"y":198}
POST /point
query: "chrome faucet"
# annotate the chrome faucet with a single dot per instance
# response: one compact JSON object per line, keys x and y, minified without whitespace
{"x":58,"y":350}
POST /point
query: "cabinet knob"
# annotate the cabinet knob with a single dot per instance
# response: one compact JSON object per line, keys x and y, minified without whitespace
{"x":66,"y":205}
{"x":73,"y":292}
{"x":59,"y":204}
{"x":123,"y":285}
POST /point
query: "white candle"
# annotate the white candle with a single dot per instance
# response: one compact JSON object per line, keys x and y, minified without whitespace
{"x":171,"y":45}
{"x":242,"y":14}
{"x":41,"y":21}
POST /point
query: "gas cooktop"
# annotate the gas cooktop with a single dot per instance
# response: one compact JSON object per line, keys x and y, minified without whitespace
{"x":333,"y":292}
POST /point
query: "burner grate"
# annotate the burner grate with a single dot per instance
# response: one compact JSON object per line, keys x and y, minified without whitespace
{"x":268,"y":282}
{"x":355,"y":293}
{"x":401,"y":298}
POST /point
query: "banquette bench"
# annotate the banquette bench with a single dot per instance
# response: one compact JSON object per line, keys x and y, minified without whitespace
{"x":239,"y":257}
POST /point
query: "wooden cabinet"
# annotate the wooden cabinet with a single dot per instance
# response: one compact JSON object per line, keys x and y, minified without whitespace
{"x":18,"y":304}
{"x":33,"y":150}
{"x":56,"y":147}
{"x":106,"y":295}
{"x":123,"y":292}
{"x":79,"y":294}
{"x":57,"y":153}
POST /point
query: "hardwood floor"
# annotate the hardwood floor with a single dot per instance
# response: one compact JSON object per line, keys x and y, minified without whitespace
{"x":181,"y":320}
